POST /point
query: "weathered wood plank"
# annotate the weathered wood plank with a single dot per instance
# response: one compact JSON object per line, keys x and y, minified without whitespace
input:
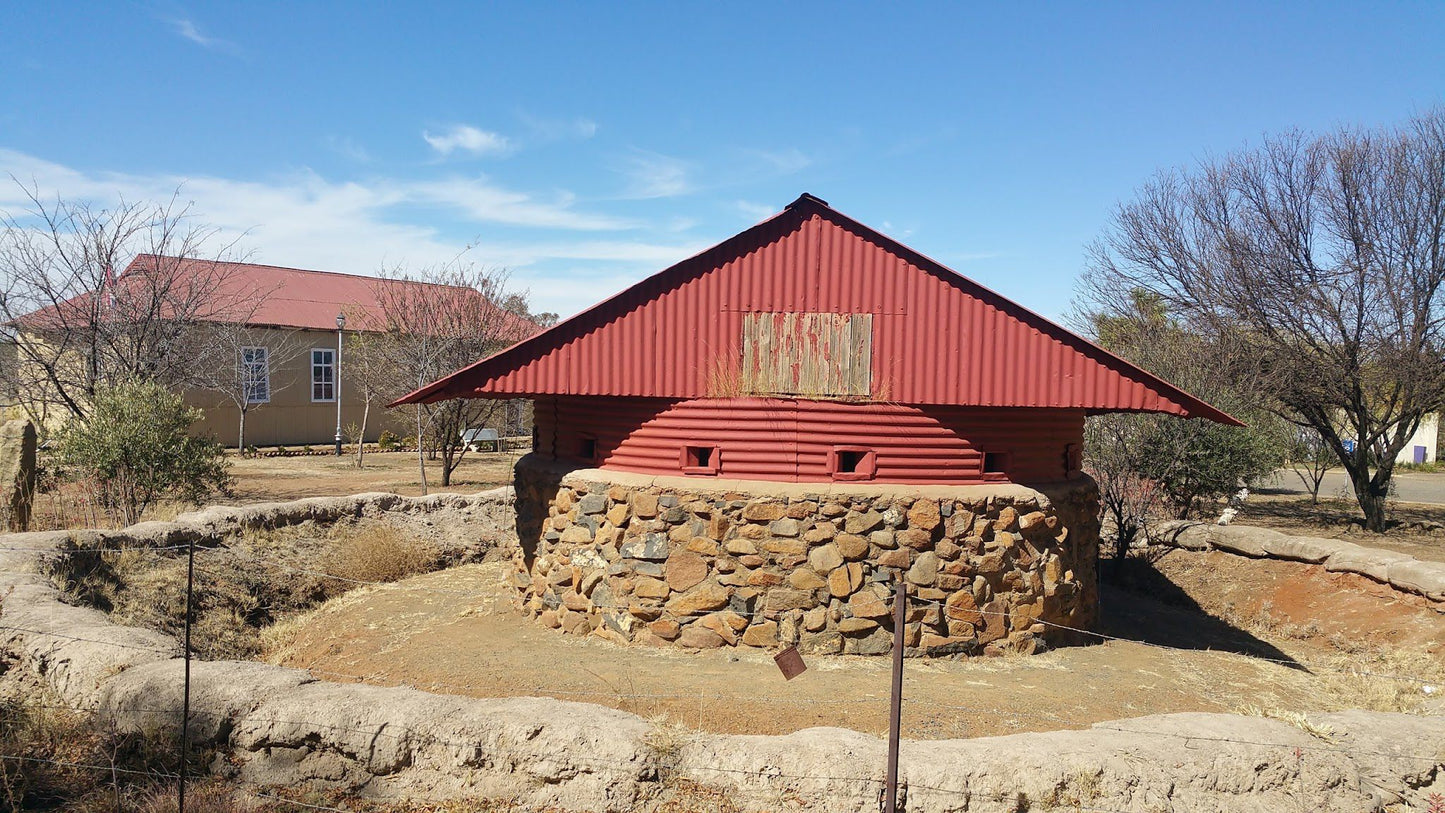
{"x":808,"y":354}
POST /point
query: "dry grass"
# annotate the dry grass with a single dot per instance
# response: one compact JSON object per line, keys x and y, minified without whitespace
{"x":248,"y":585}
{"x":60,"y":759}
{"x":374,"y":552}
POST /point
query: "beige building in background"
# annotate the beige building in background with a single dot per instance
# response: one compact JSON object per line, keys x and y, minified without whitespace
{"x":288,"y":368}
{"x":293,"y":398}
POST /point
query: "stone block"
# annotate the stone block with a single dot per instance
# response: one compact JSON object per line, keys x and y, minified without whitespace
{"x":785,"y":546}
{"x":592,"y":504}
{"x":825,"y":558}
{"x":644,"y":504}
{"x":765,"y":578}
{"x":828,"y":642}
{"x":1007,"y":520}
{"x":718,"y":526}
{"x":787,"y":526}
{"x":845,"y":579}
{"x":705,"y":597}
{"x":862,"y":523}
{"x":720,"y":626}
{"x":651,"y":588}
{"x":761,"y":634}
{"x":783,"y":599}
{"x":740,"y":547}
{"x":857,"y":626}
{"x":924,"y":570}
{"x":698,"y":637}
{"x":764,"y":511}
{"x":685,"y":570}
{"x":865,"y":604}
{"x":915,"y":538}
{"x":1033,"y":522}
{"x":899,"y":558}
{"x":652,"y":547}
{"x":805,"y":578}
{"x":924,"y":515}
{"x":703,"y":545}
{"x":877,"y":642}
{"x":815,"y":619}
{"x":820,"y":533}
{"x":852,"y":546}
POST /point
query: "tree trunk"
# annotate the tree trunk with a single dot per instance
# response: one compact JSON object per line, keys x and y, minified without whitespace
{"x":361,"y":436}
{"x":420,"y":453}
{"x":241,"y":434}
{"x":1371,"y":493}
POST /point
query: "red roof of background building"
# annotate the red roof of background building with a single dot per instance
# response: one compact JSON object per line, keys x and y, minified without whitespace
{"x":287,"y":297}
{"x":938,"y":337}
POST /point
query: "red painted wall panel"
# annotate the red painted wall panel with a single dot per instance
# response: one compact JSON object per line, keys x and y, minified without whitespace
{"x":788,"y":440}
{"x":938,"y":338}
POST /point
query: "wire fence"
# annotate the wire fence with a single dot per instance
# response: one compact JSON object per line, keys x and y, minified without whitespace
{"x":389,"y":729}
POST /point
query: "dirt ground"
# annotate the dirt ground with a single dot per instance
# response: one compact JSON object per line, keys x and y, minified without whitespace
{"x":263,"y":479}
{"x":456,"y":632}
{"x":268,"y":479}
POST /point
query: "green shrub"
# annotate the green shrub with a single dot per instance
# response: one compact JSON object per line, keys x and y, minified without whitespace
{"x":135,"y":447}
{"x":389,"y":440}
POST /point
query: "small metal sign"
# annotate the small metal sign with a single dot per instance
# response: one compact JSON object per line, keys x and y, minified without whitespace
{"x":790,"y":663}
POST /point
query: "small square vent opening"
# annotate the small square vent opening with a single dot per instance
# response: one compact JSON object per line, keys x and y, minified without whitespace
{"x":587,"y":449}
{"x":852,"y":463}
{"x":995,"y":466}
{"x":700,"y":459}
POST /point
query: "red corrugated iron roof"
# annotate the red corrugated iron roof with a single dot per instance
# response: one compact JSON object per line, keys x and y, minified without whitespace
{"x":938,"y":337}
{"x":287,"y":297}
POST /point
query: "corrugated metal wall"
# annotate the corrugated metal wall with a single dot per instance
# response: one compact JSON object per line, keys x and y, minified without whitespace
{"x":937,"y":338}
{"x":788,"y":440}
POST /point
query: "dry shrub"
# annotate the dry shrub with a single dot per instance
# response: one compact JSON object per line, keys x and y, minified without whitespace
{"x":56,"y":758}
{"x":374,"y":552}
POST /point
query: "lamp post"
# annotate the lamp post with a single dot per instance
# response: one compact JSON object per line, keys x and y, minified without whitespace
{"x":336,"y":378}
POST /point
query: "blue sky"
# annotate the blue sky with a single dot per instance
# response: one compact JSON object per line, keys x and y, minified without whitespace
{"x":585,"y":146}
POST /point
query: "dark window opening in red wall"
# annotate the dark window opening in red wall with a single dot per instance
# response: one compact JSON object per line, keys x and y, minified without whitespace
{"x":700,"y":459}
{"x":587,"y":449}
{"x":995,"y":466}
{"x":852,"y":463}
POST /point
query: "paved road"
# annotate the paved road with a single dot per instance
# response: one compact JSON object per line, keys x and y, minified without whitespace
{"x":1409,"y":486}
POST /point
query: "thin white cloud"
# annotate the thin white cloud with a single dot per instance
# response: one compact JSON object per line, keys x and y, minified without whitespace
{"x":188,"y":29}
{"x":558,"y":129}
{"x":304,"y":220}
{"x":782,"y":162}
{"x":345,"y":146}
{"x":653,"y":175}
{"x":467,"y":138}
{"x":484,"y":202}
{"x":755,"y":211}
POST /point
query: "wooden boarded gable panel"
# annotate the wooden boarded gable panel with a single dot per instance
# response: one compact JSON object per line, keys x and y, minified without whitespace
{"x":819,"y":355}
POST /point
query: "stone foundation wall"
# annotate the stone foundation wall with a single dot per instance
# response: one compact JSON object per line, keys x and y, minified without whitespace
{"x":702,"y":564}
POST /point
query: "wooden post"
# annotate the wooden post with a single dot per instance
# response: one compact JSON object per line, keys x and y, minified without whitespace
{"x":895,"y":708}
{"x":186,"y":692}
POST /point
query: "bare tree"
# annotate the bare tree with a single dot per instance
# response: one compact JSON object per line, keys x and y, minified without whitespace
{"x":77,"y":319}
{"x":1310,"y":458}
{"x":436,"y":328}
{"x":1322,"y":257}
{"x":369,"y":369}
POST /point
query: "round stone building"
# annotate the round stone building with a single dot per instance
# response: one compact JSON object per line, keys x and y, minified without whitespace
{"x":752,"y":447}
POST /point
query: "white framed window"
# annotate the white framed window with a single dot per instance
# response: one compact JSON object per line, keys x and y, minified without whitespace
{"x":256,"y":374}
{"x":323,"y":374}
